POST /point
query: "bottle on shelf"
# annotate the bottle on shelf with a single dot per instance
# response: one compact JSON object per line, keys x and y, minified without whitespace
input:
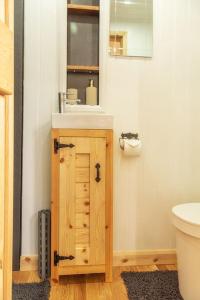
{"x":91,"y":93}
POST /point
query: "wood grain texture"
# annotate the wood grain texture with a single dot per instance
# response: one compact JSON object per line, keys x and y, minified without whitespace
{"x":83,"y":69}
{"x":90,"y":287}
{"x":82,"y":220}
{"x":122,"y":259}
{"x":54,"y":206}
{"x":73,"y":200}
{"x":9,"y":13}
{"x":6,"y":60}
{"x":81,"y":132}
{"x":148,"y":257}
{"x":109,"y":205}
{"x":2,"y":11}
{"x":82,"y":160}
{"x":67,"y":202}
{"x":6,"y":156}
{"x":8,"y":208}
{"x":29,"y":263}
{"x":83,"y":9}
{"x":82,"y":175}
{"x":82,"y":236}
{"x":81,"y":206}
{"x":2,"y":187}
{"x":83,"y":193}
{"x":97,"y":201}
{"x":82,"y":254}
{"x":81,"y":269}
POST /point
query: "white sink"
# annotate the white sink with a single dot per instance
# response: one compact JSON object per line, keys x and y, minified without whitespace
{"x":83,"y":120}
{"x":83,"y":108}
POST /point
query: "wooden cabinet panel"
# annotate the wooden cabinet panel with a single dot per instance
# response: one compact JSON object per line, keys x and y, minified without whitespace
{"x":82,"y":160}
{"x":83,"y":205}
{"x":67,"y":204}
{"x":2,"y":188}
{"x":83,"y":175}
{"x":6,"y":60}
{"x":82,"y":202}
{"x":82,"y":220}
{"x":82,"y":191}
{"x":6,"y":146}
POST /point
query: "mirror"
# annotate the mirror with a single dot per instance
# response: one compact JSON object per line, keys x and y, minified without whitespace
{"x":131,"y":28}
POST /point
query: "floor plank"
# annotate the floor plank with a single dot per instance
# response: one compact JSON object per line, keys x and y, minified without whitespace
{"x":90,"y":287}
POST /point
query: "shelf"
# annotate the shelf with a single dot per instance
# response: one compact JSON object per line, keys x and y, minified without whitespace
{"x":83,"y":9}
{"x":83,"y":69}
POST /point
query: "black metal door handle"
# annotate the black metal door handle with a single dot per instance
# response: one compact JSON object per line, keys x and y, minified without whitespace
{"x":98,"y":178}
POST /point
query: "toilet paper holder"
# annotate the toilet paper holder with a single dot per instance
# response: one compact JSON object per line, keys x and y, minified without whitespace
{"x":129,"y":136}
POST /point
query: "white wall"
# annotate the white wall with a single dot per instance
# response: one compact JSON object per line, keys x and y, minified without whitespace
{"x":41,"y":78}
{"x":157,"y":97}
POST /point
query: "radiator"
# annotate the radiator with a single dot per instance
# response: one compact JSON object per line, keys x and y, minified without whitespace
{"x":44,"y":244}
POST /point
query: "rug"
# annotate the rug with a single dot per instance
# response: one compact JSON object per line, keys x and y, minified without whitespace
{"x":159,"y":285}
{"x":32,"y":291}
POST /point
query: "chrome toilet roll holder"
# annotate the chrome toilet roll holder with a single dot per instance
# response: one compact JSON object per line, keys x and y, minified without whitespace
{"x":127,"y":136}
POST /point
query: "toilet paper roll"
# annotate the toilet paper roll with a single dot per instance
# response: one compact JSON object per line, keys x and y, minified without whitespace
{"x":131,"y":147}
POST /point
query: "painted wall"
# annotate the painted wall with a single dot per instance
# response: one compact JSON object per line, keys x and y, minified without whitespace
{"x":159,"y":98}
{"x":41,"y":85}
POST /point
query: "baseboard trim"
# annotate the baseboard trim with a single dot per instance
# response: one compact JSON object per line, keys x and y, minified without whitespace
{"x":145,"y":258}
{"x":120,"y":258}
{"x":29,"y":263}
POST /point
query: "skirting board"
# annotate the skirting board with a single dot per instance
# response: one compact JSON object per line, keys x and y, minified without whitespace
{"x":144,"y":258}
{"x":121,"y":258}
{"x":29,"y":263}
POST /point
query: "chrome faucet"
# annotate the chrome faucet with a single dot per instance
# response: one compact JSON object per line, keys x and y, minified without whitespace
{"x":62,"y":97}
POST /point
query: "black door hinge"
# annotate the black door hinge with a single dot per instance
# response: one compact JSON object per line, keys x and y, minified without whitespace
{"x":57,"y":258}
{"x":57,"y":146}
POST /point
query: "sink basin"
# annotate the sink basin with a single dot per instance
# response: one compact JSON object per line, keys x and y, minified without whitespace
{"x":83,"y":120}
{"x":83,"y":108}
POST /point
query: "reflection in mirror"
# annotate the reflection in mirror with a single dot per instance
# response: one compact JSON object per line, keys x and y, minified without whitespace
{"x":131,"y":28}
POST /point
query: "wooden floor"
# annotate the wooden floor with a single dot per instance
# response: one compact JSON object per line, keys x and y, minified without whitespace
{"x":90,"y":287}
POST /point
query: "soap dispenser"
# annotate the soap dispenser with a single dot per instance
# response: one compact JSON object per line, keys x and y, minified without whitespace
{"x":91,"y":93}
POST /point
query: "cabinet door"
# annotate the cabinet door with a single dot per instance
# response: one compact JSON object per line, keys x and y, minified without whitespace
{"x":82,"y":201}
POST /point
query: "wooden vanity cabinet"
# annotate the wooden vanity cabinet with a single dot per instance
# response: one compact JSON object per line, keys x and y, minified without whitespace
{"x":81,"y":206}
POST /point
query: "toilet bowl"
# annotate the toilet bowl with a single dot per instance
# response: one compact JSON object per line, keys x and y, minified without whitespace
{"x":186,"y":219}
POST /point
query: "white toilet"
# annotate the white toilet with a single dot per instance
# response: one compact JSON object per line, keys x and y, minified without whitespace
{"x":186,"y":218}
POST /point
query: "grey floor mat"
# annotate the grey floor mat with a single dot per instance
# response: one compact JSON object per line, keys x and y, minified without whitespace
{"x":159,"y":285}
{"x":32,"y":291}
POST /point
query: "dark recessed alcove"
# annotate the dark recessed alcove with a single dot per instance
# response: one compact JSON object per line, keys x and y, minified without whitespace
{"x":80,"y":81}
{"x":84,"y":2}
{"x":83,"y":45}
{"x":83,"y":40}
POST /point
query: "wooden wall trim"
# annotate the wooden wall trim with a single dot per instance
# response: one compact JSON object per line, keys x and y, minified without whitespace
{"x":121,"y":258}
{"x":29,"y":263}
{"x":144,"y":258}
